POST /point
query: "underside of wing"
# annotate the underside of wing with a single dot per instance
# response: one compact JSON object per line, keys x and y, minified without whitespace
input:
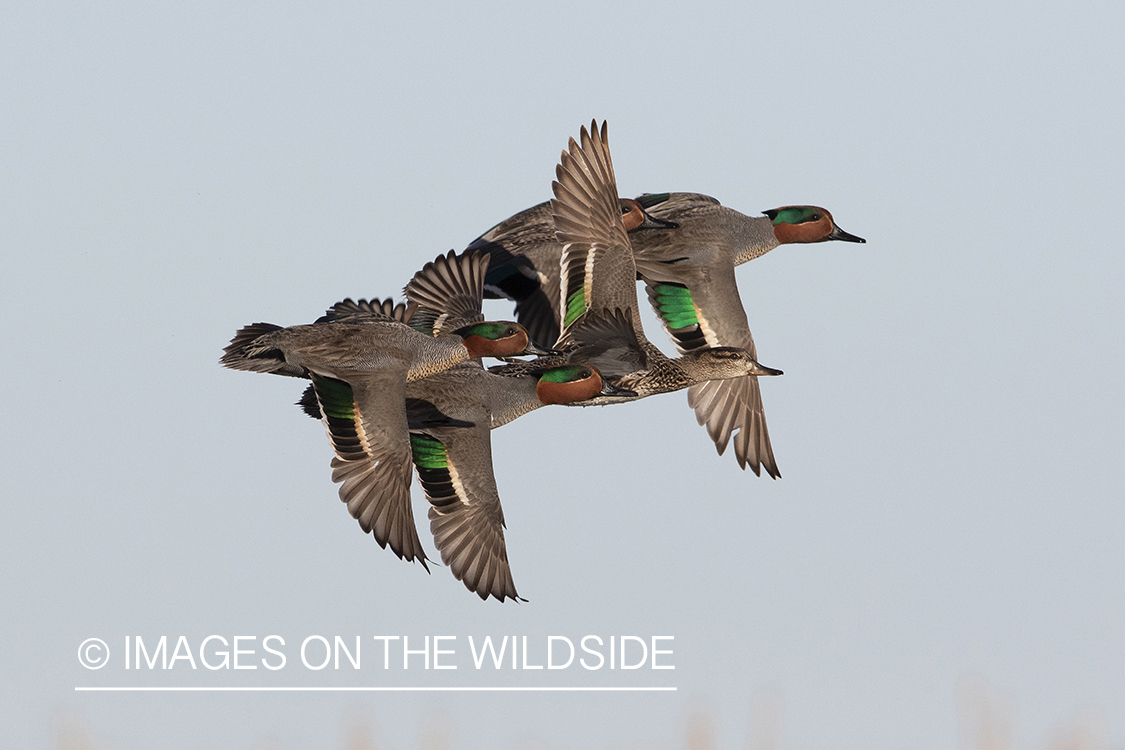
{"x":366,"y":424}
{"x":523,"y":266}
{"x":732,"y":410}
{"x":586,"y":208}
{"x":538,"y":313}
{"x":454,"y":467}
{"x":528,"y":228}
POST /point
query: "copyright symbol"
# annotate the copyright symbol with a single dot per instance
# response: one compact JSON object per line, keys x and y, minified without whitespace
{"x":93,"y":653}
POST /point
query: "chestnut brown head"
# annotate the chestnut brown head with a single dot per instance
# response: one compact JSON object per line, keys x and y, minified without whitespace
{"x":568,"y":384}
{"x":634,"y":216}
{"x":494,"y":339}
{"x":793,"y":224}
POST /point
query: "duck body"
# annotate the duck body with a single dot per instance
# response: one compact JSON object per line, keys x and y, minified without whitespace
{"x":690,"y":281}
{"x":526,"y":253}
{"x":359,"y":368}
{"x":609,"y":341}
{"x":683,"y":230}
{"x":332,"y":348}
{"x":703,"y":224}
{"x":450,"y":417}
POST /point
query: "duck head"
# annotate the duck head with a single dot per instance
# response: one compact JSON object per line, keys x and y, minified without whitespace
{"x":806,"y":224}
{"x":566,"y":384}
{"x":634,"y":216}
{"x":730,"y":362}
{"x":498,"y":339}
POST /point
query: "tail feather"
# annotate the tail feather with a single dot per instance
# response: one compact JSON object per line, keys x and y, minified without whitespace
{"x":309,"y":404}
{"x":251,"y":350}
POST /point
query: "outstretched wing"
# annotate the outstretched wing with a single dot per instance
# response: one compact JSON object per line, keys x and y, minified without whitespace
{"x":454,"y":466}
{"x":448,"y":292}
{"x":366,"y":424}
{"x":366,"y":309}
{"x":596,"y":269}
{"x":732,"y":410}
{"x":707,"y":312}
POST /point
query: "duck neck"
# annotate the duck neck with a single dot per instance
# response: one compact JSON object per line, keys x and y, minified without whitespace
{"x":755,"y":238}
{"x":511,"y":397}
{"x":698,"y":366}
{"x":435,"y":354}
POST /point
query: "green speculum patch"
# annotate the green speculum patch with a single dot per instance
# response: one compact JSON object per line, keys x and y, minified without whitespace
{"x":336,"y":398}
{"x":676,"y":306}
{"x":575,"y":306}
{"x":428,"y":453}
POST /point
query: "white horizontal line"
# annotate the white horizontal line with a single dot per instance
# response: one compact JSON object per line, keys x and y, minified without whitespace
{"x":371,"y":689}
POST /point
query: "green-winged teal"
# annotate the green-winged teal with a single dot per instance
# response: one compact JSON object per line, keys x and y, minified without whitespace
{"x":376,"y":356}
{"x":689,"y":276}
{"x":685,"y":251}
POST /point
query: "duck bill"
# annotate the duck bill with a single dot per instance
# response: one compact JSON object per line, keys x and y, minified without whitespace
{"x":651,"y":222}
{"x":539,"y":351}
{"x":761,"y":369}
{"x":840,"y":234}
{"x":612,"y":391}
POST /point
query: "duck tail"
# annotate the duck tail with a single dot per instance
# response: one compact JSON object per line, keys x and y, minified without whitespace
{"x":309,"y":404}
{"x":251,"y":350}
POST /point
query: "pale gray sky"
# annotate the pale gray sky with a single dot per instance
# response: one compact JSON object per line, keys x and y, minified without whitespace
{"x":948,"y":425}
